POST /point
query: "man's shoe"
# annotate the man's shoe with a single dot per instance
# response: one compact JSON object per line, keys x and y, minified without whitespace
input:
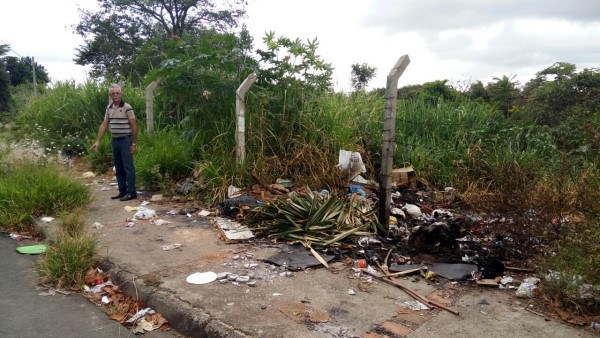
{"x":120,"y":195}
{"x":128,"y":197}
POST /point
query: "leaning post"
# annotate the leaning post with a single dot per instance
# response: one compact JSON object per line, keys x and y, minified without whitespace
{"x":389,"y":142}
{"x":150,"y":108}
{"x":240,"y":113}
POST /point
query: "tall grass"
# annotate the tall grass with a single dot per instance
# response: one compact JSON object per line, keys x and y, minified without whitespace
{"x":28,"y":191}
{"x":66,"y":118}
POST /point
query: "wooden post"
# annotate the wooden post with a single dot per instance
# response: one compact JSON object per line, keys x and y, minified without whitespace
{"x":389,"y":142}
{"x":150,"y":108}
{"x":240,"y":113}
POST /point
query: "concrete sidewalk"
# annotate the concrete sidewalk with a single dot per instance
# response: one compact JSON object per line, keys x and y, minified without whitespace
{"x":311,"y":303}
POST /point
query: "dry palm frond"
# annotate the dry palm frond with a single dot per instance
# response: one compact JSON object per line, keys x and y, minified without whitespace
{"x":310,"y":217}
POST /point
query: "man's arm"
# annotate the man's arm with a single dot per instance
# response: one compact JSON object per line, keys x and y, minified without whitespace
{"x":134,"y":131}
{"x":101,"y":132}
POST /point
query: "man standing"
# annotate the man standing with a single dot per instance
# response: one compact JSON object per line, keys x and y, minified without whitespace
{"x":123,"y":128}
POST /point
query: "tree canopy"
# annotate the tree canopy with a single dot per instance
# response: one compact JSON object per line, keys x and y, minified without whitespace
{"x":20,"y":70}
{"x":361,"y":74}
{"x":117,"y":32}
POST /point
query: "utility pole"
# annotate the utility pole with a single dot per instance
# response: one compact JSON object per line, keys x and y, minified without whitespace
{"x":34,"y":79}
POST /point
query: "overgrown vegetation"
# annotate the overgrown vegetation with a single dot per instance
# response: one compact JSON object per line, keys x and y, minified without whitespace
{"x":29,"y":191}
{"x":507,"y":147}
{"x":71,"y":253}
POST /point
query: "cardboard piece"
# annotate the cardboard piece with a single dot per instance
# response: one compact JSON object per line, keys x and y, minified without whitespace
{"x":231,"y":231}
{"x":403,"y":176}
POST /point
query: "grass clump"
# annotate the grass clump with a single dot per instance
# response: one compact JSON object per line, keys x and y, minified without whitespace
{"x":71,"y":253}
{"x":29,"y":191}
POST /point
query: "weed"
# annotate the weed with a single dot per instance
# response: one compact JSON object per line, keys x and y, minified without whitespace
{"x":28,"y":191}
{"x":67,"y":260}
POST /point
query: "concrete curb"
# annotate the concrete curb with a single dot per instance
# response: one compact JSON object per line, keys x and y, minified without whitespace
{"x":182,"y":317}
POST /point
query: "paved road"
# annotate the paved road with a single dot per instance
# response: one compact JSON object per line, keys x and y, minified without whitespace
{"x":24,"y":313}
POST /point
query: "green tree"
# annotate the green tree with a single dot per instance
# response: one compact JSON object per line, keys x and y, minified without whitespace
{"x":477,"y":91}
{"x":434,"y":91}
{"x":361,"y":74}
{"x":504,"y":93}
{"x":292,"y":62}
{"x":4,"y":81}
{"x":115,"y":34}
{"x":21,"y":70}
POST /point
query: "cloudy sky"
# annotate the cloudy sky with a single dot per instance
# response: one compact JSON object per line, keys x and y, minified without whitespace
{"x":459,"y":40}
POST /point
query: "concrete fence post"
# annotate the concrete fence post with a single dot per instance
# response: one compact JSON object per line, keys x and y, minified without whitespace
{"x":150,"y":108}
{"x":240,"y":113}
{"x":389,"y":142}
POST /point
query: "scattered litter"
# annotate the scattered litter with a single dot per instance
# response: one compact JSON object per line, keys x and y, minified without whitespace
{"x":105,"y":189}
{"x":506,"y":280}
{"x":204,"y":213}
{"x":285,"y":183}
{"x":526,"y":288}
{"x":97,"y":225}
{"x":160,"y":222}
{"x":231,"y":231}
{"x":595,"y":325}
{"x":365,"y":241}
{"x":144,"y":214}
{"x":457,"y":271}
{"x":297,"y":257}
{"x":47,"y":219}
{"x":403,"y":176}
{"x":413,"y":210}
{"x":233,"y":191}
{"x":277,"y":294}
{"x":105,"y":300}
{"x":144,"y":203}
{"x":140,"y":314}
{"x":415,"y":305}
{"x":487,"y":282}
{"x":351,"y":292}
{"x":88,"y":174}
{"x":201,"y":277}
{"x":130,"y":224}
{"x":113,"y":184}
{"x":130,"y":209}
{"x":32,"y":249}
{"x":172,"y":212}
{"x":170,"y":247}
{"x":351,"y":162}
{"x":16,"y":237}
{"x":398,"y":212}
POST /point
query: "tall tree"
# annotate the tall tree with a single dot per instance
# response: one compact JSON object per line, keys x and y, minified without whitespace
{"x":504,"y":93}
{"x":115,"y":33}
{"x":20,"y":70}
{"x":4,"y":81}
{"x":361,"y":75}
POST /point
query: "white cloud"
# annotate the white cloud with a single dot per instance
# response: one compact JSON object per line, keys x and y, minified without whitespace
{"x":455,"y":40}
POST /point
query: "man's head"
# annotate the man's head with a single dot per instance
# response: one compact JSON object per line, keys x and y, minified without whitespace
{"x":114,"y":91}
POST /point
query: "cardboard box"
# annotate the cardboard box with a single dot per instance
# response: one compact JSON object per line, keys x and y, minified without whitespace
{"x":403,"y":176}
